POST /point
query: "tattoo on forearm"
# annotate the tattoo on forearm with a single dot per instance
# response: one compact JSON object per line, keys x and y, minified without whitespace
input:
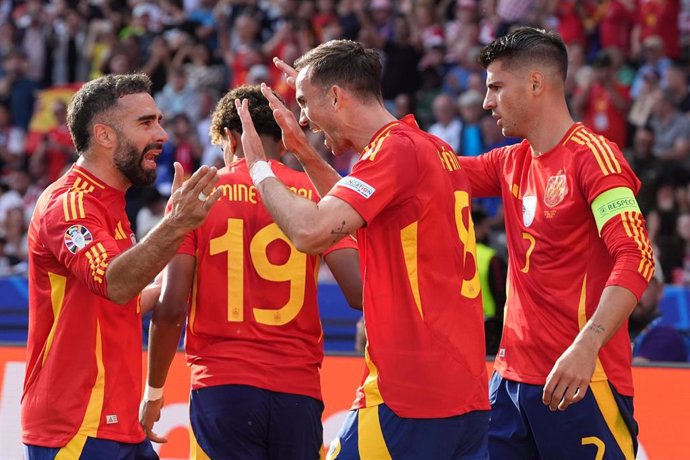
{"x":597,"y":328}
{"x":339,"y":232}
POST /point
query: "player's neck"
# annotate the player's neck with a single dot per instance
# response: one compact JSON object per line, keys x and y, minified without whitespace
{"x":362,"y":125}
{"x":545,"y":136}
{"x":102,"y":168}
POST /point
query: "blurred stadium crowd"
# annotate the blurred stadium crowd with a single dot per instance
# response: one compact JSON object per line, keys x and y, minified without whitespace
{"x":628,"y":80}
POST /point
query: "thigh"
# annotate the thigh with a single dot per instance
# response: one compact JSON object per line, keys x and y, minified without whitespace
{"x":510,"y":435}
{"x":295,"y":429}
{"x":600,"y":427}
{"x":230,"y":422}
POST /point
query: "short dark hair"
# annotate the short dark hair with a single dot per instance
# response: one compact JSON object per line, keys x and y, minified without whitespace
{"x":528,"y":44}
{"x":98,"y":97}
{"x":225,"y":115}
{"x":344,"y":63}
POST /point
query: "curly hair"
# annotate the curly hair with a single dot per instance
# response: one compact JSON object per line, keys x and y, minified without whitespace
{"x":528,"y":44}
{"x":98,"y":97}
{"x":225,"y":115}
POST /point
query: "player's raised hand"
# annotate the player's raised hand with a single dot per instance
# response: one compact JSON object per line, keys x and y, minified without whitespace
{"x":192,"y":199}
{"x":569,"y":379}
{"x":251,"y":143}
{"x":289,"y":74}
{"x":149,"y":414}
{"x":294,"y":139}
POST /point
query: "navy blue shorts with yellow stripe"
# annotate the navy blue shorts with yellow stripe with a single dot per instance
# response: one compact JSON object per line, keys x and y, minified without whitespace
{"x":93,"y":449}
{"x":377,"y":433}
{"x":248,"y":423}
{"x":599,"y":427}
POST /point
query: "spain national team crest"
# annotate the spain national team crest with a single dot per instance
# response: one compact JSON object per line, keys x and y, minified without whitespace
{"x":529,"y":209}
{"x":556,"y":189}
{"x":77,"y":237}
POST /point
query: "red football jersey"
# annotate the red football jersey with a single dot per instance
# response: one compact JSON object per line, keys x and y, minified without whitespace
{"x":253,"y":316}
{"x":422,"y":300}
{"x":83,"y":375}
{"x":558,"y":262}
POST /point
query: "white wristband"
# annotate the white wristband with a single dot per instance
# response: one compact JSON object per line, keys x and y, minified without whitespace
{"x":260,"y":170}
{"x":152,"y":394}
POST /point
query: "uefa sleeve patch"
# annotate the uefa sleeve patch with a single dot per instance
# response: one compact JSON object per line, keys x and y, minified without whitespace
{"x":357,"y":185}
{"x":612,"y":203}
{"x":77,"y":237}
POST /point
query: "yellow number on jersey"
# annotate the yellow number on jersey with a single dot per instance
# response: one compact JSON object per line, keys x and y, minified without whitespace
{"x":293,"y":270}
{"x":470,"y":287}
{"x":532,"y":243}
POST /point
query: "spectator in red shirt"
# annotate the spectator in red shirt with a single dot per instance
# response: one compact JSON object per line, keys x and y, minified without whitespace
{"x":602,"y":102}
{"x":51,"y":152}
{"x":657,"y":17}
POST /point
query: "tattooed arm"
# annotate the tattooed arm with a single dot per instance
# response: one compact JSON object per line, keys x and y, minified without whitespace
{"x":312,"y":227}
{"x":569,"y":379}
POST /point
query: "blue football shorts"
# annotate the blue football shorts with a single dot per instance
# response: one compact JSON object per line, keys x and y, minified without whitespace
{"x":377,"y":433}
{"x":248,"y":423}
{"x":599,"y":427}
{"x":93,"y":449}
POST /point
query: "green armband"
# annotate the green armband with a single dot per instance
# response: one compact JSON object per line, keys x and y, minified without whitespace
{"x":611,"y":203}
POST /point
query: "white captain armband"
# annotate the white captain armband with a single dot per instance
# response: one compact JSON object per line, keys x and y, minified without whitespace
{"x":612,"y":203}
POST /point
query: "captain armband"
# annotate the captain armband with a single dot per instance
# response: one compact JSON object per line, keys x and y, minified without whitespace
{"x":612,"y":203}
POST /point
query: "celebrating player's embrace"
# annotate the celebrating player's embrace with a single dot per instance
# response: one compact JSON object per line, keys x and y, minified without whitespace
{"x":254,"y":340}
{"x":241,"y":269}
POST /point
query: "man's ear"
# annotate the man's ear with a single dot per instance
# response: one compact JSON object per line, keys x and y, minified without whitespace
{"x":537,"y":80}
{"x":104,"y":135}
{"x":233,"y":140}
{"x":338,"y":96}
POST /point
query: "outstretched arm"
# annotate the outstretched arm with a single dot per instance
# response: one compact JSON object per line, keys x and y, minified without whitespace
{"x":132,"y":270}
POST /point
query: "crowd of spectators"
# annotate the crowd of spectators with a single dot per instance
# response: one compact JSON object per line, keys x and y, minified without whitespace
{"x":628,"y":80}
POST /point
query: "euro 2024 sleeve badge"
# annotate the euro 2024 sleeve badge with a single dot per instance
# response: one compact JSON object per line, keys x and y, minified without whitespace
{"x":77,"y":237}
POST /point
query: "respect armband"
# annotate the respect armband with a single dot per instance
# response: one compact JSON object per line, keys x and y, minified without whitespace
{"x":612,"y":203}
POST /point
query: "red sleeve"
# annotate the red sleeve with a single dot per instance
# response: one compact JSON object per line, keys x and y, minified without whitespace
{"x":349,"y":242}
{"x":484,"y":172}
{"x":625,"y":234}
{"x":382,"y":178}
{"x":76,"y":234}
{"x":188,"y":245}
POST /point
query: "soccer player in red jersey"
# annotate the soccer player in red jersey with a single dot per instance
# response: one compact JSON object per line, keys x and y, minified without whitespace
{"x":83,"y":376}
{"x":423,"y":394}
{"x":579,"y":260}
{"x":254,"y":340}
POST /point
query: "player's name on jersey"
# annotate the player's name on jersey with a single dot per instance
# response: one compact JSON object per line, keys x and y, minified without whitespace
{"x":248,"y":193}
